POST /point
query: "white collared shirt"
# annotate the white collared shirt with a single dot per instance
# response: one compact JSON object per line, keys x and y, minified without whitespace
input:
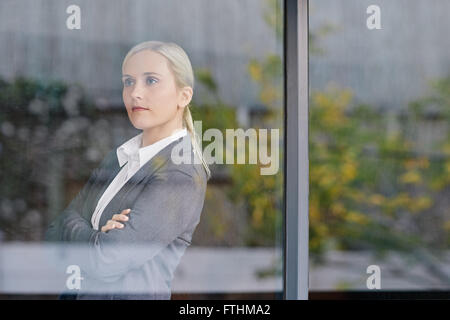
{"x":134,"y":156}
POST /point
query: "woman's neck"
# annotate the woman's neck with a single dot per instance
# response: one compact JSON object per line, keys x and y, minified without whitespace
{"x":154,"y":134}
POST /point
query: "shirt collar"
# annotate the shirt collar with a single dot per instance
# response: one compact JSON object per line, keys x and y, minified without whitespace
{"x":132,"y":150}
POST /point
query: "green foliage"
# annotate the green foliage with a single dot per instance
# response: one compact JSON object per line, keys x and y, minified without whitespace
{"x":262,"y":194}
{"x":273,"y":16}
{"x":37,"y":102}
{"x":364,"y":179}
{"x":32,"y":112}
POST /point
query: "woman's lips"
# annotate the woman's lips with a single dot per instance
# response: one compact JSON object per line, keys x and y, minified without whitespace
{"x":138,"y":109}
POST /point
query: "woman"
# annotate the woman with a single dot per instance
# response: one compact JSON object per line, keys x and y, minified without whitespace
{"x":138,"y":211}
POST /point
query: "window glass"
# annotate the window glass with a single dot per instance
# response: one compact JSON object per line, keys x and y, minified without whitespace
{"x":63,"y":117}
{"x":379,"y":145}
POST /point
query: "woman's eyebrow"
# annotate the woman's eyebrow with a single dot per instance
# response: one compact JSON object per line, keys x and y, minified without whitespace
{"x":145,"y":74}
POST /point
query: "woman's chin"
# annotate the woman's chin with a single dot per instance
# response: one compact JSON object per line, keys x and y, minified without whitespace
{"x":140,"y":125}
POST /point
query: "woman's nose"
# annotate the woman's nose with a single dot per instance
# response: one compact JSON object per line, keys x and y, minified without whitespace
{"x":137,"y":92}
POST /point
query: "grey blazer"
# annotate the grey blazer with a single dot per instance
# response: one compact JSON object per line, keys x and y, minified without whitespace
{"x":138,"y":261}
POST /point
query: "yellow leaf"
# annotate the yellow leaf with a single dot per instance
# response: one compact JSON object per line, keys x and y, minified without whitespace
{"x":348,"y":171}
{"x":411,"y":177}
{"x":377,"y":199}
{"x":420,"y":204}
{"x":337,"y":208}
{"x":357,"y":217}
{"x":255,"y":71}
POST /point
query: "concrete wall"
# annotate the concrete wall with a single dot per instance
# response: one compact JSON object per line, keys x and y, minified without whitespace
{"x":220,"y":35}
{"x":387,"y":67}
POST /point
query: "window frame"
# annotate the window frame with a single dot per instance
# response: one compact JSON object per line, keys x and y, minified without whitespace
{"x":296,"y":164}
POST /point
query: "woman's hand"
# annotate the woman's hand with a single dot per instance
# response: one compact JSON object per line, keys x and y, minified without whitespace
{"x":113,"y":223}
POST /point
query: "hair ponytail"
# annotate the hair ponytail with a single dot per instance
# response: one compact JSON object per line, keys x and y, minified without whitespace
{"x":189,"y":124}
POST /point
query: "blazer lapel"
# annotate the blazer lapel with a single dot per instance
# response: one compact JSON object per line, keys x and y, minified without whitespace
{"x":145,"y":172}
{"x":105,"y":176}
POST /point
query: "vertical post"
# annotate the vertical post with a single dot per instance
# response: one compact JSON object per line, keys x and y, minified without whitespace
{"x":296,"y":150}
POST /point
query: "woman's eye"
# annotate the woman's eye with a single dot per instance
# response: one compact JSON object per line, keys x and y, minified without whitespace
{"x":127,"y":82}
{"x":150,"y":79}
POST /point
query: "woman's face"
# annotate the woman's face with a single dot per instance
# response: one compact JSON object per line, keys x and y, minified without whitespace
{"x":149,"y":92}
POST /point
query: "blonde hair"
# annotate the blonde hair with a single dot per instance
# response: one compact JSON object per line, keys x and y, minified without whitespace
{"x":181,"y":68}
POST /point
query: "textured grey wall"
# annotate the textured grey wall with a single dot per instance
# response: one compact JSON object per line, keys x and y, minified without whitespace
{"x":387,"y":67}
{"x":220,"y":35}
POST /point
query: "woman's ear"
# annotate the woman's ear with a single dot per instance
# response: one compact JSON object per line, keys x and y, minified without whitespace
{"x":185,"y":96}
